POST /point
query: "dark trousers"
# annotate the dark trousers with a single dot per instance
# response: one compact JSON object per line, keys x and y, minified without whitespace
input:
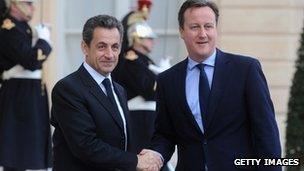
{"x":11,"y":169}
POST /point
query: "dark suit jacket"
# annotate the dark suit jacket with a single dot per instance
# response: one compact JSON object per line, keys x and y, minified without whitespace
{"x":240,"y":121}
{"x":88,"y":133}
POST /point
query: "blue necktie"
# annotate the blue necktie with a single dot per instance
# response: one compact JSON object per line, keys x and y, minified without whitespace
{"x":204,"y":91}
{"x":107,"y":84}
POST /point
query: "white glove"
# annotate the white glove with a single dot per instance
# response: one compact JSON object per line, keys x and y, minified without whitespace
{"x":43,"y":32}
{"x":164,"y":64}
{"x":155,"y":69}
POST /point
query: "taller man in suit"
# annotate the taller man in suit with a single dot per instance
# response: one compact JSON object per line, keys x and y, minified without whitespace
{"x":89,"y":111}
{"x":214,"y":106}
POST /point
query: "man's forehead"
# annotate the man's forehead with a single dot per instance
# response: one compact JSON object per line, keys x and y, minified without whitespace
{"x":106,"y":32}
{"x":199,"y":13}
{"x":203,"y":9}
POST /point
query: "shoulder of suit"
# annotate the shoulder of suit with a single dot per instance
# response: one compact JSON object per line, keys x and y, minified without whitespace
{"x":131,"y":55}
{"x":238,"y":58}
{"x":7,"y":24}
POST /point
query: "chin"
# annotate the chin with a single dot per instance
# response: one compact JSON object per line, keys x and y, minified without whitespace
{"x":109,"y":69}
{"x":28,"y":18}
{"x":206,"y":53}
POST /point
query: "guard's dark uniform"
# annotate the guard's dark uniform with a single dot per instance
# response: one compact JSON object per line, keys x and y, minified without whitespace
{"x":124,"y":45}
{"x":25,"y":139}
{"x":139,"y":82}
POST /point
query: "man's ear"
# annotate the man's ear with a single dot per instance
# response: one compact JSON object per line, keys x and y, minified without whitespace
{"x":84,"y":48}
{"x":181,"y":32}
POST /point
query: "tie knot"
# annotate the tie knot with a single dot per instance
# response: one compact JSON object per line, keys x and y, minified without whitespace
{"x":107,"y":83}
{"x":201,"y":66}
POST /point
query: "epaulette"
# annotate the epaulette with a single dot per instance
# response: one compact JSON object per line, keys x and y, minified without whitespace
{"x":8,"y":24}
{"x":131,"y":55}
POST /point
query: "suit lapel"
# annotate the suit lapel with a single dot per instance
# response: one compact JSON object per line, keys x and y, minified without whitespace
{"x":181,"y":87}
{"x":122,"y":101}
{"x":99,"y":94}
{"x":220,"y":77}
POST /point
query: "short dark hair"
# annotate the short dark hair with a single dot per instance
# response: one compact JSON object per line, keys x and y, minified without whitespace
{"x":194,"y":4}
{"x":104,"y":21}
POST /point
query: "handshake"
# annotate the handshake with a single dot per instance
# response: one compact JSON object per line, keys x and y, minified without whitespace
{"x":149,"y":160}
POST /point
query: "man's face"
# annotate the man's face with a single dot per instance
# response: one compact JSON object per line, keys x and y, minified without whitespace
{"x":26,"y":10}
{"x":199,"y":32}
{"x":148,"y":44}
{"x":102,"y":53}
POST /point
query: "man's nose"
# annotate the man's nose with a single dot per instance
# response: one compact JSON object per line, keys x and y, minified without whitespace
{"x":109,"y":53}
{"x":202,"y":32}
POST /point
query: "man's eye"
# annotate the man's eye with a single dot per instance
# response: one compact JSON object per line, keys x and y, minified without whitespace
{"x":115,"y":48}
{"x":101,"y":47}
{"x":194,"y":27}
{"x":209,"y":26}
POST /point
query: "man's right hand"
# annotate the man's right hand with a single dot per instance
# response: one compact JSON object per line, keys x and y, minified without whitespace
{"x":149,"y":160}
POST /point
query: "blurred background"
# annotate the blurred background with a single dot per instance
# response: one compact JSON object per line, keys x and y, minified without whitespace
{"x":268,"y":30}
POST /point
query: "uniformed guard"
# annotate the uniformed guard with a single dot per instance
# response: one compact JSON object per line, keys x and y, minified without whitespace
{"x":25,"y":138}
{"x":138,"y":77}
{"x":141,"y":13}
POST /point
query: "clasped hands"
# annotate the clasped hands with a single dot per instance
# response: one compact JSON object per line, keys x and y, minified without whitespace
{"x":149,"y":160}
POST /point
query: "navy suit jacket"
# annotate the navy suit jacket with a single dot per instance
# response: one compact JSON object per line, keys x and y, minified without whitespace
{"x":240,"y":120}
{"x":88,"y":135}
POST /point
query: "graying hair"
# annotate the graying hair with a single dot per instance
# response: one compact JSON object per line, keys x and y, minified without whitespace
{"x":104,"y":21}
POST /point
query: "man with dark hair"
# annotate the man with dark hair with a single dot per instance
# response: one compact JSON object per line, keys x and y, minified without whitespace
{"x":90,"y":112}
{"x":25,"y":135}
{"x":215,"y":106}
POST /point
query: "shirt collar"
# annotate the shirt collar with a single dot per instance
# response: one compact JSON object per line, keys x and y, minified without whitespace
{"x":96,"y":76}
{"x":210,"y":61}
